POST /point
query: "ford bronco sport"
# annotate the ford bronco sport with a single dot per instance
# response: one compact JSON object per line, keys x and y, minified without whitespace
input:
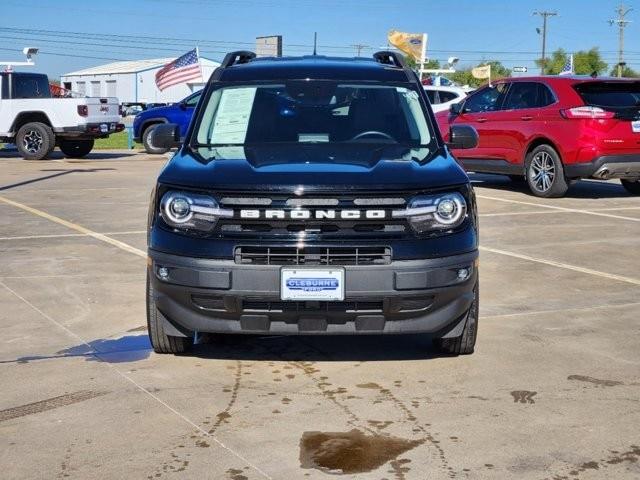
{"x":313,"y":195}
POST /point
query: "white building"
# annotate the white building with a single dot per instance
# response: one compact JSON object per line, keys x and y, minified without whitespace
{"x":133,"y":81}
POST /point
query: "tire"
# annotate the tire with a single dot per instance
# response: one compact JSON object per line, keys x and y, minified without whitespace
{"x":631,"y":186}
{"x":35,"y":140}
{"x":160,"y":341}
{"x":544,"y":173}
{"x":76,"y":148}
{"x":465,"y":343}
{"x":146,"y":141}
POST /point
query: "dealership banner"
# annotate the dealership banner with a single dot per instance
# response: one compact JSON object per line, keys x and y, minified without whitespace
{"x":481,"y":72}
{"x":413,"y":44}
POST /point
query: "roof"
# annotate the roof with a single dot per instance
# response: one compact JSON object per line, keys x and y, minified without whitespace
{"x":312,"y":67}
{"x":570,"y":78}
{"x":129,"y":66}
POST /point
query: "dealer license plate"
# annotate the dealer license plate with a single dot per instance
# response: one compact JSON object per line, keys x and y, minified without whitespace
{"x":104,"y":128}
{"x":319,"y":284}
{"x":635,"y":126}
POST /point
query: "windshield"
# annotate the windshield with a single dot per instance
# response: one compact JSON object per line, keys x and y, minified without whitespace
{"x":313,"y":112}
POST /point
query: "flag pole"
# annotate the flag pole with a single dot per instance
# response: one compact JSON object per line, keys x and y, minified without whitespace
{"x":199,"y":63}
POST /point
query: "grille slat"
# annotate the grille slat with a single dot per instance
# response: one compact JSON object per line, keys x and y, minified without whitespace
{"x":312,"y":255}
{"x":311,"y":307}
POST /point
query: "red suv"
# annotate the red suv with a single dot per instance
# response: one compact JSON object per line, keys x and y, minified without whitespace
{"x":553,"y":130}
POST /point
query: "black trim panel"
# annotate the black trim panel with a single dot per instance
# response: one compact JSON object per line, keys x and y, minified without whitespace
{"x":491,"y":166}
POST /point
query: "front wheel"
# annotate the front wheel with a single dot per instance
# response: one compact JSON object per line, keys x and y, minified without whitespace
{"x":465,"y":343}
{"x":544,"y":173}
{"x":160,"y":341}
{"x":76,"y":148}
{"x":147,"y":138}
{"x":631,"y":186}
{"x":35,"y":141}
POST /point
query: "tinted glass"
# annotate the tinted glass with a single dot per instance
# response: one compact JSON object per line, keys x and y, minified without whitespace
{"x":545,"y":96}
{"x":193,"y":99}
{"x":522,"y":95}
{"x":610,"y":94}
{"x":432,"y":96}
{"x":314,"y":112}
{"x":447,"y":96}
{"x":487,"y":99}
{"x":30,"y":86}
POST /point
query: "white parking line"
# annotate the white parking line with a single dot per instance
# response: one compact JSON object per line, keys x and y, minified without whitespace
{"x":510,"y":214}
{"x":566,"y":266}
{"x":561,"y":310}
{"x":78,"y":228}
{"x":136,"y":384}
{"x":563,"y":209}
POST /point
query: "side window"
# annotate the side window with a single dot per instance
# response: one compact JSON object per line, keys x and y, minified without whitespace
{"x":522,"y":95}
{"x":193,"y":99}
{"x":447,"y":96}
{"x":487,"y":99}
{"x":431,"y":94}
{"x":545,"y":96}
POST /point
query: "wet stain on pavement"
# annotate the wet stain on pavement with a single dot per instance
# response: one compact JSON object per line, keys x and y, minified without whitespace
{"x":523,"y":396}
{"x":225,"y":415}
{"x":595,"y":381}
{"x":236,"y":474}
{"x":48,"y":404}
{"x":350,"y":452}
{"x":141,"y":328}
{"x":632,"y":455}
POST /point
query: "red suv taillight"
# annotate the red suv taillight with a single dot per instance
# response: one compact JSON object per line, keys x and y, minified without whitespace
{"x":83,"y":110}
{"x":586,"y":112}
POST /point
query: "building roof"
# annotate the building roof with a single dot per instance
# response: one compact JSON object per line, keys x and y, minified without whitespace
{"x":315,"y":67}
{"x":130,"y":66}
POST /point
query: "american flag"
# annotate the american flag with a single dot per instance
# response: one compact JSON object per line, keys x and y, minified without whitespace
{"x":568,"y":66}
{"x":182,"y":69}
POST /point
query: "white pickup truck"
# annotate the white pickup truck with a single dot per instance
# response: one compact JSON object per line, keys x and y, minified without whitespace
{"x":36,"y":122}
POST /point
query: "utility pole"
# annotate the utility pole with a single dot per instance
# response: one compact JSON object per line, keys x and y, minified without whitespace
{"x":544,"y":14}
{"x":621,"y":23}
{"x":359,"y":47}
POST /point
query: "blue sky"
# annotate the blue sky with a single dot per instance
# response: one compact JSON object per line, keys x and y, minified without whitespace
{"x":472,"y":30}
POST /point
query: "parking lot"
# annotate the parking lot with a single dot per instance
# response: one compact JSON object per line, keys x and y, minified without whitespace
{"x":553,"y":390}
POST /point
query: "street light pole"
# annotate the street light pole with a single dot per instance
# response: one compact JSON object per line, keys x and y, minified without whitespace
{"x":544,"y":14}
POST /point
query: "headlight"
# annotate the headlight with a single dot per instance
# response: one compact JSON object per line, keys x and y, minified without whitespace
{"x":435,"y":212}
{"x":191,"y":211}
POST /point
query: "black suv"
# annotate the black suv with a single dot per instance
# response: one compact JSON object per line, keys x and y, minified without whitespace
{"x":313,"y":195}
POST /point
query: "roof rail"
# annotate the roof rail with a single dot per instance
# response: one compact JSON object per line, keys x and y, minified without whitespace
{"x":387,"y":57}
{"x":237,"y":57}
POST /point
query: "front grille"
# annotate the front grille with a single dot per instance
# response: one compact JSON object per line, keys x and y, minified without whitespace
{"x":311,"y":307}
{"x":250,"y":255}
{"x":338,"y":227}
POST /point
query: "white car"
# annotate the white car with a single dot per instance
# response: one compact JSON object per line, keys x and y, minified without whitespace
{"x":37,"y":122}
{"x":441,"y":98}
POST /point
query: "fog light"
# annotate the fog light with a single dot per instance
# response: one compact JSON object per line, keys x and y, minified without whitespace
{"x":163,"y":273}
{"x":463,"y":273}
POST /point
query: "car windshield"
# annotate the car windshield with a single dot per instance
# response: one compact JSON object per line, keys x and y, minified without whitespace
{"x":313,"y":113}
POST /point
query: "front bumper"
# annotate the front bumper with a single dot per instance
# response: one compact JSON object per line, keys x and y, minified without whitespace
{"x":606,"y":167}
{"x":220,"y":296}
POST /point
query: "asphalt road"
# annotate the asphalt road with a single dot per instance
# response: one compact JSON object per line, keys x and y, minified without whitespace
{"x":553,"y":390}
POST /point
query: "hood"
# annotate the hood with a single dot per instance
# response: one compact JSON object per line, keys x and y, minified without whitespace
{"x":319,"y":170}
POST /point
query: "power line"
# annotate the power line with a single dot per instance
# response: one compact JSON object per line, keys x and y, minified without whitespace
{"x":621,"y":23}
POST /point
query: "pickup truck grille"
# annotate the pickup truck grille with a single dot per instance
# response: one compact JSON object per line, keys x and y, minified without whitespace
{"x":312,"y":255}
{"x":327,"y":217}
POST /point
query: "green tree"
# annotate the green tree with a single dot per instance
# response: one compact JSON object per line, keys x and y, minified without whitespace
{"x":626,"y":72}
{"x":585,"y":62}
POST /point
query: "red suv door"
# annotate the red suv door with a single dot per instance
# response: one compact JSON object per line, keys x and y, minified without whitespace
{"x":479,"y":110}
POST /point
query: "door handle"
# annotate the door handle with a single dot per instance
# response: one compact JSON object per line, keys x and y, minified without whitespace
{"x":481,"y":120}
{"x":526,"y":117}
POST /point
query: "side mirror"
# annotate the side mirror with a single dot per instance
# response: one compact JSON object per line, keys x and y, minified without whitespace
{"x":165,"y":135}
{"x":456,"y":108}
{"x":462,"y":136}
{"x":183,"y":105}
